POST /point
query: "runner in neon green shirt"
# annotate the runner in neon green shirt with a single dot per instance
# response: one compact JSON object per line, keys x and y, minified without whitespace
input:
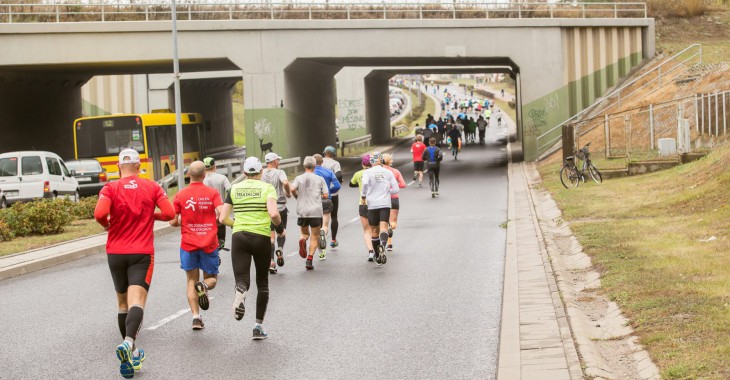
{"x":254,"y":202}
{"x":356,"y":181}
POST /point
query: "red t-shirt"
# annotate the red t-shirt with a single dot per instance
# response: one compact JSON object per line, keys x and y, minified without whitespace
{"x":131,"y":215}
{"x":418,"y":149}
{"x":196,"y":205}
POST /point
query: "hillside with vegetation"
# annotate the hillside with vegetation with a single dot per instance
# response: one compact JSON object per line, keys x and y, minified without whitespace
{"x":660,"y":240}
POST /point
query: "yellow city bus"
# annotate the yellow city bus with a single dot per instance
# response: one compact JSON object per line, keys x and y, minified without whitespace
{"x":152,"y":135}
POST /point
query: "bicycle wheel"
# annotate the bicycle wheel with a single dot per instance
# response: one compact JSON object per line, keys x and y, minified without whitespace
{"x":595,"y":174}
{"x":568,"y":177}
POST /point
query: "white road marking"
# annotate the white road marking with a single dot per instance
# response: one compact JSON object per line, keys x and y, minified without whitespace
{"x":410,"y":183}
{"x":353,"y":220}
{"x":171,"y":318}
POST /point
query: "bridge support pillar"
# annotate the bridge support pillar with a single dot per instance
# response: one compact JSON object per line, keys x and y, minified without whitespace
{"x":38,"y":111}
{"x":376,"y":102}
{"x":310,"y":106}
{"x":351,"y":102}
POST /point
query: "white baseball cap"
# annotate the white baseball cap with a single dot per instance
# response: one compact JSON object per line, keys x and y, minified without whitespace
{"x":128,"y":156}
{"x":271,"y":156}
{"x":252,"y":165}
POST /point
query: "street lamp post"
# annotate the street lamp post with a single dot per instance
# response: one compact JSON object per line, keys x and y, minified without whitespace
{"x":179,"y":159}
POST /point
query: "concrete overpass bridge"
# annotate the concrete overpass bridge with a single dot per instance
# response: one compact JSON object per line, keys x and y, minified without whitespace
{"x":289,"y":68}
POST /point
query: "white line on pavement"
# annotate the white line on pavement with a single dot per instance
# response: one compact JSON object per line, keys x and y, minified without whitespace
{"x":353,"y":220}
{"x":410,"y":183}
{"x":171,"y":318}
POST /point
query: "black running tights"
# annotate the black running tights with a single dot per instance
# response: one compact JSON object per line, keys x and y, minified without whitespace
{"x":335,"y":224}
{"x":247,"y":246}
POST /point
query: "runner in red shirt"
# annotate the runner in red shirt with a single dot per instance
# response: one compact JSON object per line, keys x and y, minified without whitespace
{"x":126,"y":208}
{"x":417,"y":149}
{"x":197,"y":208}
{"x":394,"y":199}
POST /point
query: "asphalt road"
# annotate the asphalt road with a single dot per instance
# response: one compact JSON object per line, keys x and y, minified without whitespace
{"x":433,"y":311}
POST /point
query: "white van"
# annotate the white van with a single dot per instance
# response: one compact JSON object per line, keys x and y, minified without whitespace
{"x":29,"y":175}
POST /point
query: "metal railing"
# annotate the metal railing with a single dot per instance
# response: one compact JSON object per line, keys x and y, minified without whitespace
{"x":694,"y":123}
{"x":398,"y":129}
{"x":657,"y":76}
{"x":238,"y":10}
{"x":355,"y":141}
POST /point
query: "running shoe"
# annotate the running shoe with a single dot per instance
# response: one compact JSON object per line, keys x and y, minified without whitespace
{"x":303,"y":248}
{"x":390,"y":247}
{"x":308,"y":264}
{"x":202,"y":295}
{"x":433,"y":194}
{"x":334,"y":244}
{"x":380,"y":260}
{"x":420,"y":184}
{"x":137,"y":360}
{"x":279,"y":257}
{"x":322,"y":255}
{"x":390,"y":231}
{"x":259,"y":333}
{"x":198,"y":323}
{"x":322,"y":239}
{"x":371,"y":257}
{"x":239,"y":309}
{"x":272,"y":268}
{"x":124,"y":354}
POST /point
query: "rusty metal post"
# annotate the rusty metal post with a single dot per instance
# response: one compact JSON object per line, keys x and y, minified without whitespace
{"x":568,"y":140}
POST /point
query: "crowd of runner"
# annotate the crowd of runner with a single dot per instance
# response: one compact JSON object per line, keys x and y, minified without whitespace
{"x":254,"y":206}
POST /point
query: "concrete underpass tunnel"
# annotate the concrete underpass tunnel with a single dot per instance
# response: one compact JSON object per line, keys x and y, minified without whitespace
{"x":39,"y":103}
{"x":311,"y":98}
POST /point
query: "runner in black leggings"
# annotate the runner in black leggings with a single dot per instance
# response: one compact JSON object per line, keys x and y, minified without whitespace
{"x":254,"y":202}
{"x":433,"y":156}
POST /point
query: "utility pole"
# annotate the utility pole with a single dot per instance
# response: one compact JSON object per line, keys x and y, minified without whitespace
{"x":179,"y":156}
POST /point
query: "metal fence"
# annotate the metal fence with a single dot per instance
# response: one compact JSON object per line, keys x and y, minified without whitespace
{"x":61,"y":11}
{"x":693,"y":123}
{"x":643,"y":85}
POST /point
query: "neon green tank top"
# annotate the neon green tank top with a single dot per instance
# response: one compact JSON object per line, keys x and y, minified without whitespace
{"x":249,"y":205}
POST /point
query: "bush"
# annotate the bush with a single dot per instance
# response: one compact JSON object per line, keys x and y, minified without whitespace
{"x":676,"y":8}
{"x":5,"y":233}
{"x":43,"y":216}
{"x":48,"y":216}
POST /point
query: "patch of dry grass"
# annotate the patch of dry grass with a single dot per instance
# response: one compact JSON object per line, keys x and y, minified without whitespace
{"x":648,"y":237}
{"x":77,"y":229}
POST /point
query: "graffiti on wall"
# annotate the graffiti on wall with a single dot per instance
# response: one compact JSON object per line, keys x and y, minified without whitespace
{"x":262,"y":128}
{"x":539,"y":116}
{"x":351,"y":113}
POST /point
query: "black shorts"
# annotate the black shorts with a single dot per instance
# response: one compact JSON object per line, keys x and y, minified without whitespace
{"x":378,"y":215}
{"x":395,"y":203}
{"x":363,"y":211}
{"x":418,"y":166}
{"x":309,"y":222}
{"x":284,"y":219}
{"x":131,"y":269}
{"x":327,"y":206}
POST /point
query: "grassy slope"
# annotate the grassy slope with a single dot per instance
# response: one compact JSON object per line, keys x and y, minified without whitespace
{"x":645,"y":234}
{"x":77,"y":229}
{"x":648,"y":236}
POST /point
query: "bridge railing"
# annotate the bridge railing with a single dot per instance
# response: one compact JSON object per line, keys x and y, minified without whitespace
{"x":362,"y":140}
{"x":91,"y":11}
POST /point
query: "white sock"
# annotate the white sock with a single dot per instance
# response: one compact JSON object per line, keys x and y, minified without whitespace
{"x":196,"y":316}
{"x":257,"y":325}
{"x":136,"y":352}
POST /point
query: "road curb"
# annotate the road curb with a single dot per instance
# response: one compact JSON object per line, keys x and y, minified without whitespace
{"x":61,"y":257}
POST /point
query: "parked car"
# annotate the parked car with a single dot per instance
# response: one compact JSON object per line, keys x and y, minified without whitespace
{"x":30,"y":175}
{"x":89,"y":174}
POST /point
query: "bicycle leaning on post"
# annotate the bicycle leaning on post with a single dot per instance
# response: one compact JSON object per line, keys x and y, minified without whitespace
{"x":571,"y":176}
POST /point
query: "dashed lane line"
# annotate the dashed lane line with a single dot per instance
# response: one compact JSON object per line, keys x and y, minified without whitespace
{"x":171,"y":318}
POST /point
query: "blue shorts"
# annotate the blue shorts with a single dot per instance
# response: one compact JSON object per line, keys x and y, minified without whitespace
{"x":208,"y":262}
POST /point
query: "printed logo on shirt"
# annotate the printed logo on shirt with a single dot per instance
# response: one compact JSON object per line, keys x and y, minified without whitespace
{"x":190,"y":203}
{"x":132,"y":185}
{"x":248,"y":192}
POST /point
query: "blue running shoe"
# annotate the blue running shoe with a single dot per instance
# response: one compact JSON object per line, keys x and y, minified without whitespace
{"x":124,"y":354}
{"x":259,"y":333}
{"x":137,"y":361}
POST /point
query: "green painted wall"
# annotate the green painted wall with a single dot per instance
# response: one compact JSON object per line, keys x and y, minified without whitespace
{"x":543,"y":114}
{"x":268,"y":124}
